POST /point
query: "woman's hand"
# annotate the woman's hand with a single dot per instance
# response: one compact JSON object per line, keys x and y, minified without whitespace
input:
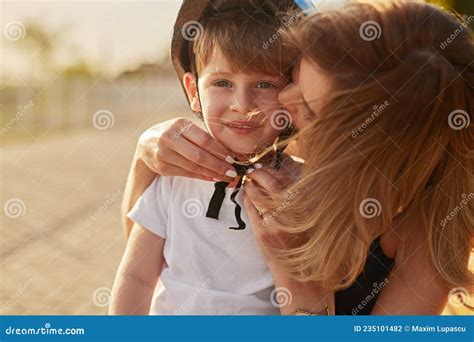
{"x":263,"y":184}
{"x":268,"y":232}
{"x":175,"y":147}
{"x":178,"y":147}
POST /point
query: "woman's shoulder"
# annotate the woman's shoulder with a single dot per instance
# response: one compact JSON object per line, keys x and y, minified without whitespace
{"x":414,"y":269}
{"x":408,"y":233}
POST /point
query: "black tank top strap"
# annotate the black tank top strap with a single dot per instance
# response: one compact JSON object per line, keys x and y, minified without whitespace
{"x":360,"y":297}
{"x":376,"y":250}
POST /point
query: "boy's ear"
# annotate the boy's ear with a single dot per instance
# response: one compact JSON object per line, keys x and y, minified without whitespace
{"x":190,"y":85}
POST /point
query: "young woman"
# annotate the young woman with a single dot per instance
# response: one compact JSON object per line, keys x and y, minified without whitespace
{"x":383,"y":216}
{"x":389,"y":157}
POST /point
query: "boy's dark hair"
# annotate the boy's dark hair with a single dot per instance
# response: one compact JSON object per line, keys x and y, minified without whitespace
{"x":248,"y":34}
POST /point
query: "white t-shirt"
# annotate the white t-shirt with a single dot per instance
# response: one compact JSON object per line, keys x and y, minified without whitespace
{"x":210,"y":269}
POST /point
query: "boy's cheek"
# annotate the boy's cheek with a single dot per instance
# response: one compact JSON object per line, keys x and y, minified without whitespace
{"x":213,"y":108}
{"x":215,"y":102}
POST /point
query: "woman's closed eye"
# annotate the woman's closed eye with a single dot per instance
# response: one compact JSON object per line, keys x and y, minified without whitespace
{"x":309,"y":114}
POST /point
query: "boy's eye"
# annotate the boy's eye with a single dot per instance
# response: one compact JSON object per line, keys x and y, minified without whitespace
{"x":222,"y":84}
{"x":265,"y":85}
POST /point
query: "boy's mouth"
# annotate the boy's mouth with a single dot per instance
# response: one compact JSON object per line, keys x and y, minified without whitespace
{"x":241,"y":127}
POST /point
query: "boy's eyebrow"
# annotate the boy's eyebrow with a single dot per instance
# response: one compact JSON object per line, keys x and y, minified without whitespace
{"x":218,"y":71}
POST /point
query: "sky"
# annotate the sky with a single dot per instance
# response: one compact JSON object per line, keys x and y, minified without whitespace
{"x":110,"y":35}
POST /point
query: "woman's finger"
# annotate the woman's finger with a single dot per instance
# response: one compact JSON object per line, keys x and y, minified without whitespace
{"x":265,"y":230}
{"x":252,"y":211}
{"x":198,"y":156}
{"x":256,"y":220}
{"x":181,"y":163}
{"x":159,"y":146}
{"x":256,"y":195}
{"x":267,"y":180}
{"x":203,"y":139}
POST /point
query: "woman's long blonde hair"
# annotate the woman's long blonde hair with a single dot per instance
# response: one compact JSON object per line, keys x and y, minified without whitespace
{"x":394,"y":137}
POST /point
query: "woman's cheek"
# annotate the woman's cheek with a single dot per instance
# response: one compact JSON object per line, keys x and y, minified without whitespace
{"x":298,"y":117}
{"x":268,"y":99}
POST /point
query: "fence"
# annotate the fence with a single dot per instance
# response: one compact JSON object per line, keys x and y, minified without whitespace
{"x":71,"y":103}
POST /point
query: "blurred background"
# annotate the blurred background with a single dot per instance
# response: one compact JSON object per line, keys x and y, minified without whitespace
{"x":79,"y":82}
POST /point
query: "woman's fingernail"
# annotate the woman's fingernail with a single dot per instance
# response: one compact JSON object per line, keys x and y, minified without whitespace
{"x":216,"y":180}
{"x":231,"y":174}
{"x":249,"y":171}
{"x":230,"y":160}
{"x":258,"y":166}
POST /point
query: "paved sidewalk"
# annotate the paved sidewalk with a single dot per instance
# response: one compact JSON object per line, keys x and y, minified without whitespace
{"x":61,"y":255}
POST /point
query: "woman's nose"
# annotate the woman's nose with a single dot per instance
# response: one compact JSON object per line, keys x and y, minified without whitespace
{"x":289,"y":95}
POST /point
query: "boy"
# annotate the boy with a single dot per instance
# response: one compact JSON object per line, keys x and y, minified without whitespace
{"x":232,"y":83}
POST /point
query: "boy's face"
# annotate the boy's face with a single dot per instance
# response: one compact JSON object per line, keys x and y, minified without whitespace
{"x":239,"y":108}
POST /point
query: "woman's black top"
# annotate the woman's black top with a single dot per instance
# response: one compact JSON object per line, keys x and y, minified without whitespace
{"x":360,"y":297}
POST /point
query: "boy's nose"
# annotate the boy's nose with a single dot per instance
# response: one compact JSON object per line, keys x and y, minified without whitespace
{"x":243,"y":102}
